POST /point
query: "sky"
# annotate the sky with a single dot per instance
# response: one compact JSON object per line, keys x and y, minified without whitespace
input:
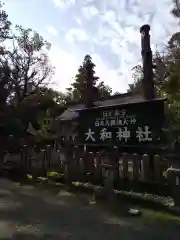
{"x":108,"y":30}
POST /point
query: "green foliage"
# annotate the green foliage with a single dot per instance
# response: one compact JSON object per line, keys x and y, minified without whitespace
{"x":176,"y":9}
{"x":57,"y":96}
{"x":25,"y":64}
{"x":25,"y":71}
{"x":79,"y":86}
{"x":5,"y":25}
{"x":136,"y":86}
{"x":104,"y":90}
{"x":78,"y":89}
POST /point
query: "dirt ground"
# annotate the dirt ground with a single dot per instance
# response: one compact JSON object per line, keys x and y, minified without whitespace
{"x":35,"y":213}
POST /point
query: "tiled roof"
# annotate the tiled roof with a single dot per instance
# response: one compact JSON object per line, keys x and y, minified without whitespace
{"x":72,"y":111}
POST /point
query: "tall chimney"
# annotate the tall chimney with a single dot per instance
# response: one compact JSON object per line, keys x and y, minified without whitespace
{"x":147,"y":82}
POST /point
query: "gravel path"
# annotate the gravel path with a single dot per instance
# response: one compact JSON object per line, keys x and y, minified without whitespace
{"x":32,"y":213}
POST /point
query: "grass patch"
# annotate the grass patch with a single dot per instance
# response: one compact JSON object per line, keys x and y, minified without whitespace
{"x":144,"y":200}
{"x":164,"y":201}
{"x":53,"y":174}
{"x":50,"y":175}
{"x":160,"y":215}
{"x":30,"y":177}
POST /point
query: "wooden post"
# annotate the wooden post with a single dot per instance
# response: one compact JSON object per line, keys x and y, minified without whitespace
{"x":89,"y":166}
{"x":108,"y":177}
{"x":76,"y":171}
{"x":97,"y":164}
{"x":136,"y":166}
{"x":125,"y":166}
{"x":68,"y":164}
{"x":147,"y":81}
{"x":109,"y":184}
{"x":48,"y":154}
{"x":173,"y":179}
{"x":43,"y":161}
{"x":81,"y":164}
{"x":145,"y":167}
{"x":157,"y":168}
{"x":115,"y":162}
{"x":25,"y":160}
{"x":120,"y":167}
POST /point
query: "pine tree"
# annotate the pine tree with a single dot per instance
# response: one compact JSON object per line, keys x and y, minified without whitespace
{"x":79,"y":86}
{"x":78,"y":90}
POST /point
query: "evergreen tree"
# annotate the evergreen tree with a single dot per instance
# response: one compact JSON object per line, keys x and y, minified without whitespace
{"x":78,"y":88}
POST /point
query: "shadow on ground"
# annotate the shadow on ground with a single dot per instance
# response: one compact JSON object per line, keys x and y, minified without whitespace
{"x":36,"y":213}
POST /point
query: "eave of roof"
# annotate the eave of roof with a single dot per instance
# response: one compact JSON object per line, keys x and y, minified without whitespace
{"x":122,"y":104}
{"x":71,"y":113}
